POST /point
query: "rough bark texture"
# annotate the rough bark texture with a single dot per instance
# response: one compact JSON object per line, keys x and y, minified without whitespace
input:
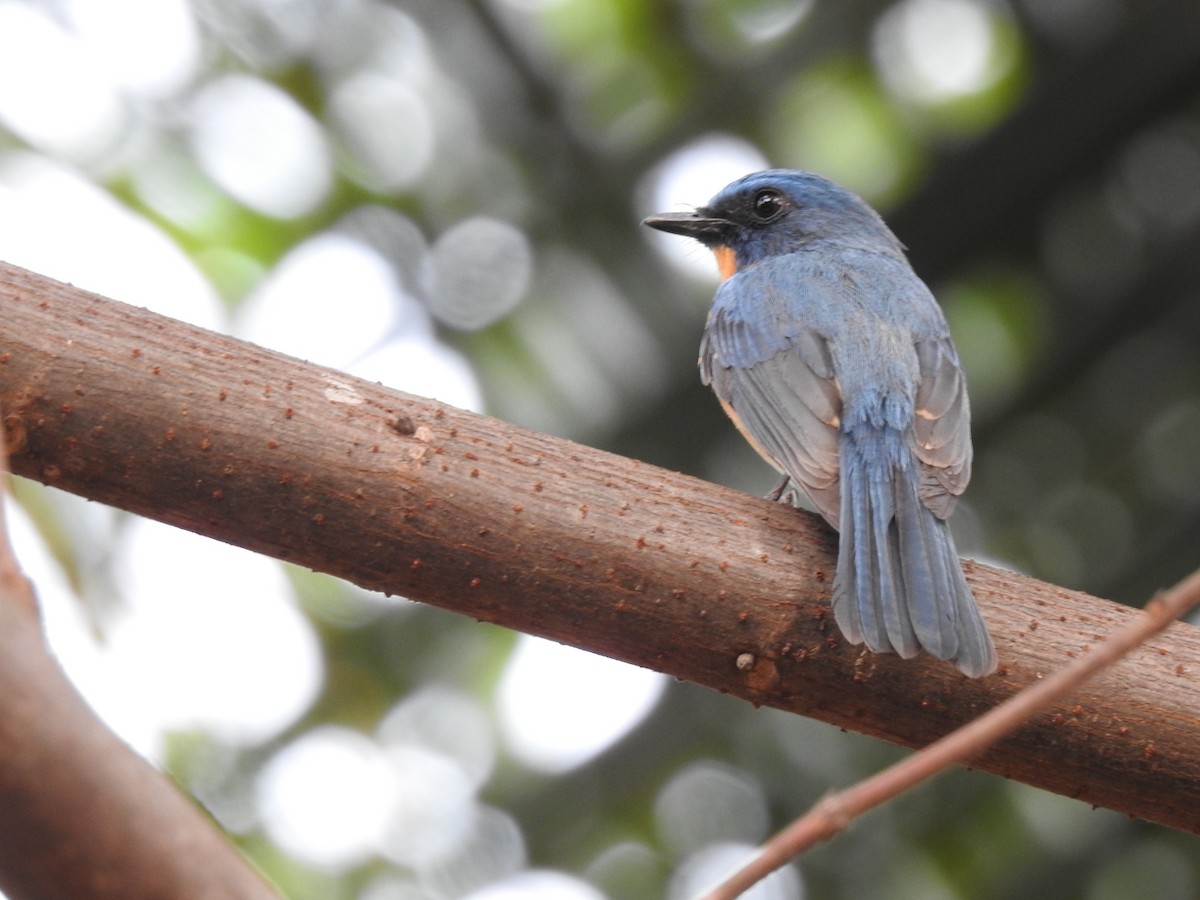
{"x":412,"y":497}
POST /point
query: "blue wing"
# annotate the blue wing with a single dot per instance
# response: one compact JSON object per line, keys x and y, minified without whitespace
{"x":775,"y":377}
{"x":941,"y":426}
{"x":769,"y":355}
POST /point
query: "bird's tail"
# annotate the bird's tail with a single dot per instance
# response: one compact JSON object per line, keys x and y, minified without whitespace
{"x":899,"y":586}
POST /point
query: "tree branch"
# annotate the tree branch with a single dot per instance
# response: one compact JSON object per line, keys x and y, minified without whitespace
{"x":83,"y":817}
{"x":835,"y":812}
{"x":412,"y":497}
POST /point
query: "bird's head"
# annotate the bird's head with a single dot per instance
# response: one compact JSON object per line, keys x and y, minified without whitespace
{"x":776,"y":212}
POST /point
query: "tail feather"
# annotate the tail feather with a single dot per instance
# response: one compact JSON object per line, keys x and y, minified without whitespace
{"x":887,"y":577}
{"x":899,"y":585}
{"x":927,"y":561}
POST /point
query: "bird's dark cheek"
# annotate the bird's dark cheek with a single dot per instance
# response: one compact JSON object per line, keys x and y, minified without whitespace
{"x":726,"y":260}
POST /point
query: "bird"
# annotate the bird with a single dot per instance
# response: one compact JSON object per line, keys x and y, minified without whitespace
{"x":835,"y":361}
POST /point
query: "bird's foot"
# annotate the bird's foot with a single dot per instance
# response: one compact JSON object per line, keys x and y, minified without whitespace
{"x":776,"y":493}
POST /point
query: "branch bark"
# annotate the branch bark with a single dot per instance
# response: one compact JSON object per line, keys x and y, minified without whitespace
{"x":411,"y":497}
{"x":837,"y":811}
{"x":83,"y":817}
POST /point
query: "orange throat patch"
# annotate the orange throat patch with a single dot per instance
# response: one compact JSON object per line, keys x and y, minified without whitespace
{"x":726,"y":260}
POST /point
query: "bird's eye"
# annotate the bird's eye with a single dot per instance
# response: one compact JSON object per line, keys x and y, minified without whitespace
{"x":767,"y":205}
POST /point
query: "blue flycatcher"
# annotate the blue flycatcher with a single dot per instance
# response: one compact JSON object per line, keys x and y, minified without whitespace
{"x":835,"y":362}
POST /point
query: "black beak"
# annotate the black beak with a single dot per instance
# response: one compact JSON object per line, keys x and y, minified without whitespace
{"x":701,"y":224}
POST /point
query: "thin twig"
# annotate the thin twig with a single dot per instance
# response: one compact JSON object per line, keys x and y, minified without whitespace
{"x":836,"y":811}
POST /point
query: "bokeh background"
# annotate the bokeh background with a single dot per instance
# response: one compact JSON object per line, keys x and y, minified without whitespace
{"x":444,"y":196}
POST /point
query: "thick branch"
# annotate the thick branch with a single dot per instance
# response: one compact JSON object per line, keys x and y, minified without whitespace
{"x":83,"y":817}
{"x":836,"y":811}
{"x":411,"y":497}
